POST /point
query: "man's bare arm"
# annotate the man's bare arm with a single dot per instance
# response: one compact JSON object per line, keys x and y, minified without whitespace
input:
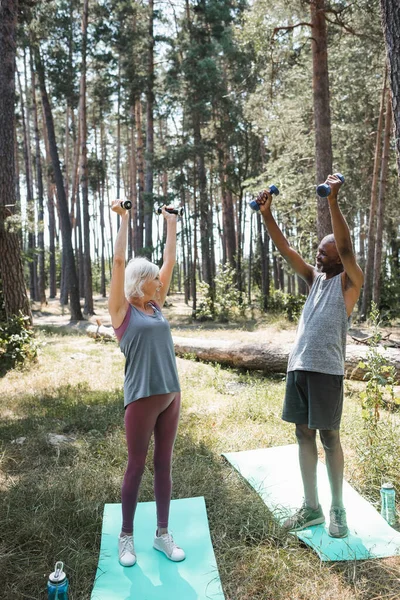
{"x":342,"y":236}
{"x":303,"y":269}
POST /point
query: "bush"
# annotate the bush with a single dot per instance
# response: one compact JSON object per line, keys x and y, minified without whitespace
{"x":380,"y":378}
{"x":228,"y":303}
{"x":17,"y":343}
{"x":290,"y":304}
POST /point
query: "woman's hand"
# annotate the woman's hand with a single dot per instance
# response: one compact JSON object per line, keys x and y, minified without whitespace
{"x":117,"y":208}
{"x":168,"y":216}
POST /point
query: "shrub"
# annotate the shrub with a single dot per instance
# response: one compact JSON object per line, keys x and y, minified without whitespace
{"x":228,"y":303}
{"x":290,"y":304}
{"x":17,"y":343}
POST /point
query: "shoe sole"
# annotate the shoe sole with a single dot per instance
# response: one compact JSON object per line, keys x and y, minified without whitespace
{"x":309,"y":524}
{"x":169,"y":557}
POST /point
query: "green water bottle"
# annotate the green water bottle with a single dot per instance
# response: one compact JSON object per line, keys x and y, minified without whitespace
{"x":388,"y":506}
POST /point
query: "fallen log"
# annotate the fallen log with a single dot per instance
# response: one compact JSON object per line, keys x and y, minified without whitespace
{"x":269,"y":357}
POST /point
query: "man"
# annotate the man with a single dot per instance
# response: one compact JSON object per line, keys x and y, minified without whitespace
{"x":314,"y":386}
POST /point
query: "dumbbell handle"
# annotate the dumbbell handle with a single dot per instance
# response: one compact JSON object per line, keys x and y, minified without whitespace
{"x":272,"y":190}
{"x":171,"y":211}
{"x":127,"y":204}
{"x":324,"y":189}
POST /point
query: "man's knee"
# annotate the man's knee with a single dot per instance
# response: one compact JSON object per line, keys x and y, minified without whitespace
{"x":330,"y":439}
{"x":305,"y":435}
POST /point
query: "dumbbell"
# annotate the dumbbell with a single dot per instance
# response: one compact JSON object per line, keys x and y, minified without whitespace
{"x":127,"y":204}
{"x":324,"y":189}
{"x":272,"y":190}
{"x":171,"y":211}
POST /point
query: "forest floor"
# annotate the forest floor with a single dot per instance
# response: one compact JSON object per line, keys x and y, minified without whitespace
{"x":63,"y":455}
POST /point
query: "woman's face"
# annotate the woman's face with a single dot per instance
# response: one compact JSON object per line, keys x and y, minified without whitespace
{"x":151,"y":287}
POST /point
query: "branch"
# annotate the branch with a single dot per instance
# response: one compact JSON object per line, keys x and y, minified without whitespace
{"x":291,"y":27}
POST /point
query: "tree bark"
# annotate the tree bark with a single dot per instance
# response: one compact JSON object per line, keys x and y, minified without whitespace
{"x":322,"y":111}
{"x":12,"y":282}
{"x":390,"y":10}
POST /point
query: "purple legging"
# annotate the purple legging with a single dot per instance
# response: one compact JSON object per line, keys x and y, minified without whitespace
{"x":159,"y":413}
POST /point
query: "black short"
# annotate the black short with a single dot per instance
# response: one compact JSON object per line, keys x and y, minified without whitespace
{"x":313,"y":399}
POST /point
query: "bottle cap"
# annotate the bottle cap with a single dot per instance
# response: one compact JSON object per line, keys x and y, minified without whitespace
{"x":58,"y":574}
{"x":388,"y":486}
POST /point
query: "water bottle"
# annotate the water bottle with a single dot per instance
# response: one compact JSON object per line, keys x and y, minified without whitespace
{"x":323,"y":189}
{"x":171,"y":211}
{"x":272,"y":190}
{"x":57,"y":585}
{"x":127,"y":204}
{"x":388,"y":505}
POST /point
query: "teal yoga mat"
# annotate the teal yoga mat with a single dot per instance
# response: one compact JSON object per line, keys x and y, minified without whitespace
{"x":275,"y":475}
{"x":154,"y":577}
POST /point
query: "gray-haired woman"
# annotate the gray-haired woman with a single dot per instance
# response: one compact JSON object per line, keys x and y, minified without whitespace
{"x":151,"y":386}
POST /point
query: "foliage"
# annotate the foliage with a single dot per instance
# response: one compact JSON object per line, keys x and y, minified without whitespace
{"x":380,"y":380}
{"x":17,"y":343}
{"x":290,"y":304}
{"x":228,"y":303}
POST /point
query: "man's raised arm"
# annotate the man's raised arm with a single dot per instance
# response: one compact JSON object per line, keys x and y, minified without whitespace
{"x":303,"y":269}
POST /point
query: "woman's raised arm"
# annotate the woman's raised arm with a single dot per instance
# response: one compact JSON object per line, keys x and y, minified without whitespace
{"x":117,"y":303}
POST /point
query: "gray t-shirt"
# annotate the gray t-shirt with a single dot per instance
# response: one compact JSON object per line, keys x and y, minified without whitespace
{"x":320,"y":343}
{"x":150,"y":366}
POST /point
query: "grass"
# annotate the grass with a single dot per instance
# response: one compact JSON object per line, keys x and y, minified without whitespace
{"x":52,"y":497}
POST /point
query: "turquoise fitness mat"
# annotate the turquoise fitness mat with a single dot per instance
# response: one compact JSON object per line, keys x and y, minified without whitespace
{"x":275,"y":475}
{"x":154,"y":576}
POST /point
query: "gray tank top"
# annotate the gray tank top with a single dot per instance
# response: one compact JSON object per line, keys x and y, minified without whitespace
{"x":320,"y":343}
{"x":150,"y":366}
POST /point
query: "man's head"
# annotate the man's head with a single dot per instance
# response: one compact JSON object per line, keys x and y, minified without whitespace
{"x":328,"y":259}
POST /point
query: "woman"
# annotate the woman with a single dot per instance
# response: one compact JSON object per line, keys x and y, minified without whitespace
{"x":151,"y":387}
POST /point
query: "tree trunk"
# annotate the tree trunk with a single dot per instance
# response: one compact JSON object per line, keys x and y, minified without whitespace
{"x":76,"y":313}
{"x":12,"y":282}
{"x":30,"y":208}
{"x":391,"y":27}
{"x":381,"y":201}
{"x":40,"y":194}
{"x":272,"y":358}
{"x":369,"y":265}
{"x":322,"y":111}
{"x":204,"y":209}
{"x":51,"y":212}
{"x":140,"y":164}
{"x":148,"y":190}
{"x":87,"y":262}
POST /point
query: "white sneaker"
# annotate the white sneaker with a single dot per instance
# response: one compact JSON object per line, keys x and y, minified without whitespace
{"x":126,"y":551}
{"x":165,"y":543}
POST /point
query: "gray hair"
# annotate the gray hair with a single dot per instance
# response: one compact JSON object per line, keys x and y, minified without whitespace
{"x":137,"y":272}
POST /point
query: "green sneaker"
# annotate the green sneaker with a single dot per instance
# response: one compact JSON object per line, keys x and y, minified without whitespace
{"x":338,"y":524}
{"x":304,"y":517}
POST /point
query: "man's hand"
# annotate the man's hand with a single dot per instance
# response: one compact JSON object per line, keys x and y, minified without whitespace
{"x":264,"y":200}
{"x":334,"y":183}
